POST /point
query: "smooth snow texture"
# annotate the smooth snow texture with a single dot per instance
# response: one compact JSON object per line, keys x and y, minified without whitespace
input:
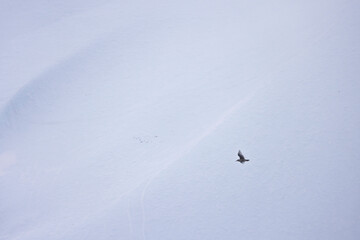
{"x":122,"y":120}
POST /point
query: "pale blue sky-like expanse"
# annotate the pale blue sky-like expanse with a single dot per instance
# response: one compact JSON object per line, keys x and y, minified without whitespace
{"x":123,"y":119}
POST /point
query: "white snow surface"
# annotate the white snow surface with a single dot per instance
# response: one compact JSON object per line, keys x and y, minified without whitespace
{"x":122,"y":119}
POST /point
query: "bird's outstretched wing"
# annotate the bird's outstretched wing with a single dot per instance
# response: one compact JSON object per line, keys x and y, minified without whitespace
{"x":241,"y":156}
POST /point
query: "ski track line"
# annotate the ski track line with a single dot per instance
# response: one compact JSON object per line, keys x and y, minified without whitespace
{"x":193,"y":143}
{"x":268,"y":79}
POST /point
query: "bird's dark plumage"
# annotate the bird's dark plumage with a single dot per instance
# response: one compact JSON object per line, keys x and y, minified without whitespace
{"x":242,"y":158}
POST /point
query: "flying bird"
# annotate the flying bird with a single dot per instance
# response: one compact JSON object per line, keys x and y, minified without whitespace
{"x":242,"y":158}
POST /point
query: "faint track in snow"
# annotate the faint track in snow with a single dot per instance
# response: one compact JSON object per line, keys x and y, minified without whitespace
{"x":194,"y":142}
{"x":268,"y":78}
